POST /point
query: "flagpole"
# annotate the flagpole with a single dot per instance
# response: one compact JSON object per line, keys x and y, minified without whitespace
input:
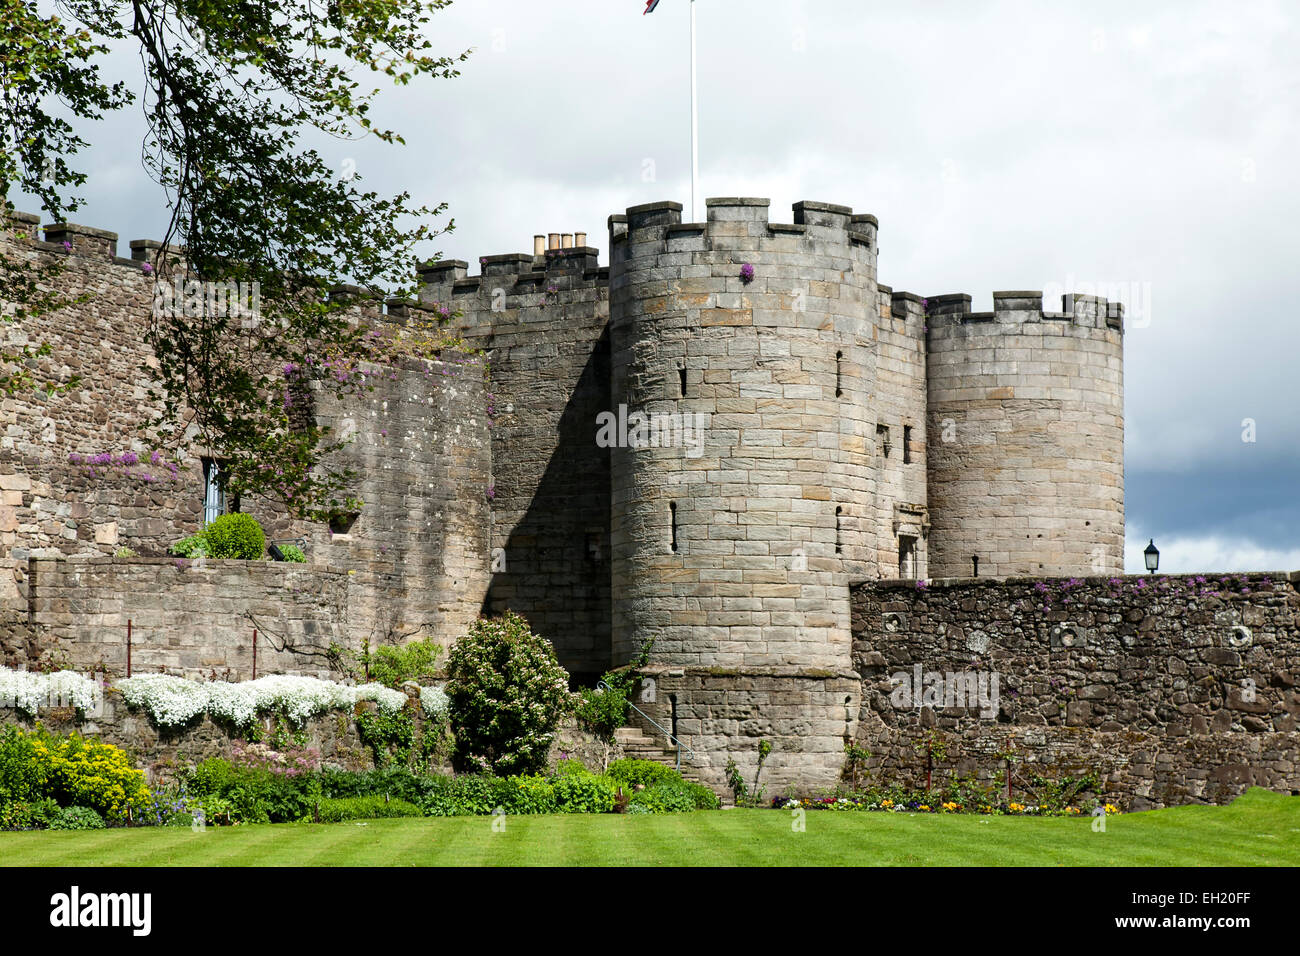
{"x":695,"y":126}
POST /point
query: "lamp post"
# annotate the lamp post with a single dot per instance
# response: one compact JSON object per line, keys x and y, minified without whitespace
{"x":1152,"y":556}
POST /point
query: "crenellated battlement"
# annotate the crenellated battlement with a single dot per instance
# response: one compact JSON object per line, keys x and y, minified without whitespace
{"x":742,"y":224}
{"x":1087,"y":311}
{"x":73,"y":239}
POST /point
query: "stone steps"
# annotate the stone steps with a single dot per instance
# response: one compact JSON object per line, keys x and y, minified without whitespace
{"x":639,"y":746}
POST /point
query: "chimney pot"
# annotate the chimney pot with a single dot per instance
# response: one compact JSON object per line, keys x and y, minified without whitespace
{"x":567,"y":240}
{"x":553,"y":240}
{"x":539,"y":245}
{"x":579,"y":238}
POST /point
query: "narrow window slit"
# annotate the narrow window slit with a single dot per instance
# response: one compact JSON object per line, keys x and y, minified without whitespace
{"x":672,"y":511}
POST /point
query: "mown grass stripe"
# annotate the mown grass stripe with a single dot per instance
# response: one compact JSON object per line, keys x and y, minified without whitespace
{"x":1261,"y":828}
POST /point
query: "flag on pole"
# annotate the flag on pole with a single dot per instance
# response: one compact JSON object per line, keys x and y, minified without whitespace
{"x":649,"y":6}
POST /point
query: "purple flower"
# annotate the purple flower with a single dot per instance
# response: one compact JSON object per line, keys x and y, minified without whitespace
{"x":491,"y":492}
{"x":147,"y":267}
{"x":67,"y":246}
{"x":747,"y":273}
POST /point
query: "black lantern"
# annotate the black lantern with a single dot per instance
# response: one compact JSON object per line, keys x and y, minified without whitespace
{"x":1152,"y":555}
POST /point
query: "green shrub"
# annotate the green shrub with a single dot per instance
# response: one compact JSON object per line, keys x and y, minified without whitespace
{"x":507,"y":693}
{"x":584,"y":793}
{"x":705,"y":799}
{"x":70,"y":769}
{"x":363,"y":808}
{"x":394,"y":665}
{"x":632,"y":773}
{"x":20,"y":769}
{"x":235,"y":535}
{"x":21,"y":815}
{"x":254,"y":794}
{"x":662,"y":798}
{"x":194,"y":546}
{"x":293,"y":554}
{"x":466,"y":796}
{"x":77,"y":818}
{"x":665,"y":790}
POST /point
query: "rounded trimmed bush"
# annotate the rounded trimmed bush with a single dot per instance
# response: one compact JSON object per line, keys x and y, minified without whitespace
{"x":235,"y":535}
{"x":77,"y":818}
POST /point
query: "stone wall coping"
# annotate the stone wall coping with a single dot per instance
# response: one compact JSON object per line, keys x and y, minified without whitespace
{"x":78,"y":561}
{"x":63,"y":228}
{"x":910,"y":583}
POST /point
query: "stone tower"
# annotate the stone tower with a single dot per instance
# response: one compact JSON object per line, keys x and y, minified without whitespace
{"x":736,"y":547}
{"x":734,"y":541}
{"x":1026,"y":437}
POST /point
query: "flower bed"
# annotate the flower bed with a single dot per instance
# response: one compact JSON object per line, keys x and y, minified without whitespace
{"x":932,"y":804}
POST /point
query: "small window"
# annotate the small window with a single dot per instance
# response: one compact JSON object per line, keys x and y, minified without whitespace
{"x":882,"y":439}
{"x":839,"y":546}
{"x":907,"y":444}
{"x":975,"y":567}
{"x":341,"y":522}
{"x":906,"y":556}
{"x":216,"y":501}
{"x":839,"y":356}
{"x":681,"y":376}
{"x":672,"y":516}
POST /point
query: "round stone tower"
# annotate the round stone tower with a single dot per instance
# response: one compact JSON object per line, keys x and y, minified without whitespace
{"x":742,"y":505}
{"x":1025,"y":437}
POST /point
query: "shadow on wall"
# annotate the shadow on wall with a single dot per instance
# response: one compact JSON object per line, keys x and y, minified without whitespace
{"x":555,"y":570}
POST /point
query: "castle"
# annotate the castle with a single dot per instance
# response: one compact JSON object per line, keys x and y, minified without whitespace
{"x":731,"y":441}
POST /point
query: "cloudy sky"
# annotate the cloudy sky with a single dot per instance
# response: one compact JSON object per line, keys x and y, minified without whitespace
{"x":1141,"y":147}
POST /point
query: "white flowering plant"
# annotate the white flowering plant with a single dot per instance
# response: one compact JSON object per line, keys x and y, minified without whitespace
{"x":507,"y":693}
{"x":434,"y":701}
{"x":175,"y":701}
{"x":27,"y":691}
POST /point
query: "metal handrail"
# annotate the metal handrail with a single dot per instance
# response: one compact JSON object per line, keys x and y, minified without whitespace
{"x":690,"y":754}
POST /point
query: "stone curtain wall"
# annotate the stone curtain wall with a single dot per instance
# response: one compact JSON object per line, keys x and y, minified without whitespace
{"x":542,"y":322}
{"x":1176,"y":689}
{"x":417,"y":556}
{"x":51,"y":504}
{"x":1026,"y":436}
{"x":419,"y":552}
{"x":189,"y":618}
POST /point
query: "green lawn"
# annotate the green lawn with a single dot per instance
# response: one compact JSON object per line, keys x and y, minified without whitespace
{"x":1259,"y":828}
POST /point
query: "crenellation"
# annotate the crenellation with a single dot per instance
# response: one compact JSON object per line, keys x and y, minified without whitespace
{"x":82,"y":240}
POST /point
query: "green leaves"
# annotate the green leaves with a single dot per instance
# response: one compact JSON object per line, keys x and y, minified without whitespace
{"x":507,"y":693}
{"x":229,"y":88}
